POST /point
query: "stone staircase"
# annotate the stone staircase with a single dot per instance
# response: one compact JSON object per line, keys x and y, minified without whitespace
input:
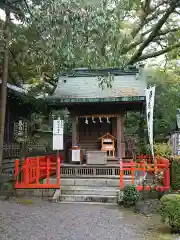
{"x":88,"y":194}
{"x":93,"y":183}
{"x":88,"y":190}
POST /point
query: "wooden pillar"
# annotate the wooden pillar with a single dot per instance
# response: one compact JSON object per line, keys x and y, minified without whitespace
{"x":74,"y":131}
{"x":120,"y":136}
{"x":114,"y":126}
{"x":119,"y":132}
{"x":77,"y":130}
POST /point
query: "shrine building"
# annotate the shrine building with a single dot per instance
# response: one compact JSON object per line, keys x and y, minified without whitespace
{"x":97,"y":110}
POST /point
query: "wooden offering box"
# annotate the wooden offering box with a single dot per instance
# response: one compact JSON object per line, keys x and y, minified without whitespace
{"x":107,"y":144}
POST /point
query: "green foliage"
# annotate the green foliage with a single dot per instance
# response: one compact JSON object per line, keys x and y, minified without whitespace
{"x":163,"y":149}
{"x":167,"y":99}
{"x":60,"y":35}
{"x":25,"y":201}
{"x":130,"y":119}
{"x":131,"y":195}
{"x":6,"y":186}
{"x":170,"y":210}
{"x":175,"y":174}
{"x":105,"y":81}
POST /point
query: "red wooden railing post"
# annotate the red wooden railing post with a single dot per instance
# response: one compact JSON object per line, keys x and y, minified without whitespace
{"x":121,"y":175}
{"x":48,"y":170}
{"x":166,"y":178}
{"x":16,"y":168}
{"x":37,"y":170}
{"x":16,"y":172}
{"x":58,"y":170}
{"x":166,"y":175}
{"x":132,"y":171}
{"x":30,"y":170}
{"x":25,"y":171}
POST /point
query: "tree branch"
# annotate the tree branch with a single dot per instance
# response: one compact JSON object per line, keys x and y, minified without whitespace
{"x":139,"y":41}
{"x":155,"y":14}
{"x":145,"y":11}
{"x":158,"y":53}
{"x":153,"y":34}
{"x":166,"y":31}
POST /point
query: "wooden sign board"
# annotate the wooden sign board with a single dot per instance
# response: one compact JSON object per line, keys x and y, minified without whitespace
{"x":58,"y":126}
{"x":58,"y":130}
{"x":58,"y":142}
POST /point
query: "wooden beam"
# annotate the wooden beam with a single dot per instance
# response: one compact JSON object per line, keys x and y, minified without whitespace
{"x":98,"y":115}
{"x":119,"y":131}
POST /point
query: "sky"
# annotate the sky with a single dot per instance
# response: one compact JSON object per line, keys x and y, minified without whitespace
{"x":2,"y":16}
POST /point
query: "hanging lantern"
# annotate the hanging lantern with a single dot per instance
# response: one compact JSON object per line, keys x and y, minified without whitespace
{"x":100,"y":120}
{"x":86,"y":122}
{"x":93,"y":120}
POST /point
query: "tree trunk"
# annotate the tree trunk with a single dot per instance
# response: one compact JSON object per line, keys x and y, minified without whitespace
{"x":4,"y":82}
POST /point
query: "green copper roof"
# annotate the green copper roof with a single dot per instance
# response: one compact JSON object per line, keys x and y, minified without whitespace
{"x":83,"y":86}
{"x":93,"y":100}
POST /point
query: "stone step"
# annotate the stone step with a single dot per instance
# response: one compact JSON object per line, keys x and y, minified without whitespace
{"x":89,"y":203}
{"x":89,"y":187}
{"x":88,"y":198}
{"x":91,"y":182}
{"x":89,"y":191}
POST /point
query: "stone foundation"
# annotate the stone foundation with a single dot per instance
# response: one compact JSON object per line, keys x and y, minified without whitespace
{"x":39,"y":193}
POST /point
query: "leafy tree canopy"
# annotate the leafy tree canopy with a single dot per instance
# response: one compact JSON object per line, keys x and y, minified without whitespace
{"x":57,"y":35}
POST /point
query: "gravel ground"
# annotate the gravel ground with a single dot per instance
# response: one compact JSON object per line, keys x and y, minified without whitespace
{"x":42,"y":220}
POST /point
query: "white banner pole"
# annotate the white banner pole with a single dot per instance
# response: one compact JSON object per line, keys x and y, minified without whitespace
{"x":150,"y":96}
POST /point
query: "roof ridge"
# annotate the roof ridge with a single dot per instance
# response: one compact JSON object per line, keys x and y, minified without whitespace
{"x":101,"y":71}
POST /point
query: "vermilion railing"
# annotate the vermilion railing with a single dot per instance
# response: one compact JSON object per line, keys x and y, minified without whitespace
{"x":147,"y":158}
{"x":36,"y":172}
{"x":161,"y":165}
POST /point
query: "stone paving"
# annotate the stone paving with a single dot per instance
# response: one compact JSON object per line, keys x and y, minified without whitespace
{"x":43,"y":220}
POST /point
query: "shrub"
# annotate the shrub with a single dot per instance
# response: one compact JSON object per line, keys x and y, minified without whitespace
{"x":175,"y":174}
{"x":163,"y":149}
{"x":131,"y":195}
{"x":170,"y":210}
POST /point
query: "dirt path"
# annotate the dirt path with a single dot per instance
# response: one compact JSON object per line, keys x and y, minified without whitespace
{"x":46,"y":221}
